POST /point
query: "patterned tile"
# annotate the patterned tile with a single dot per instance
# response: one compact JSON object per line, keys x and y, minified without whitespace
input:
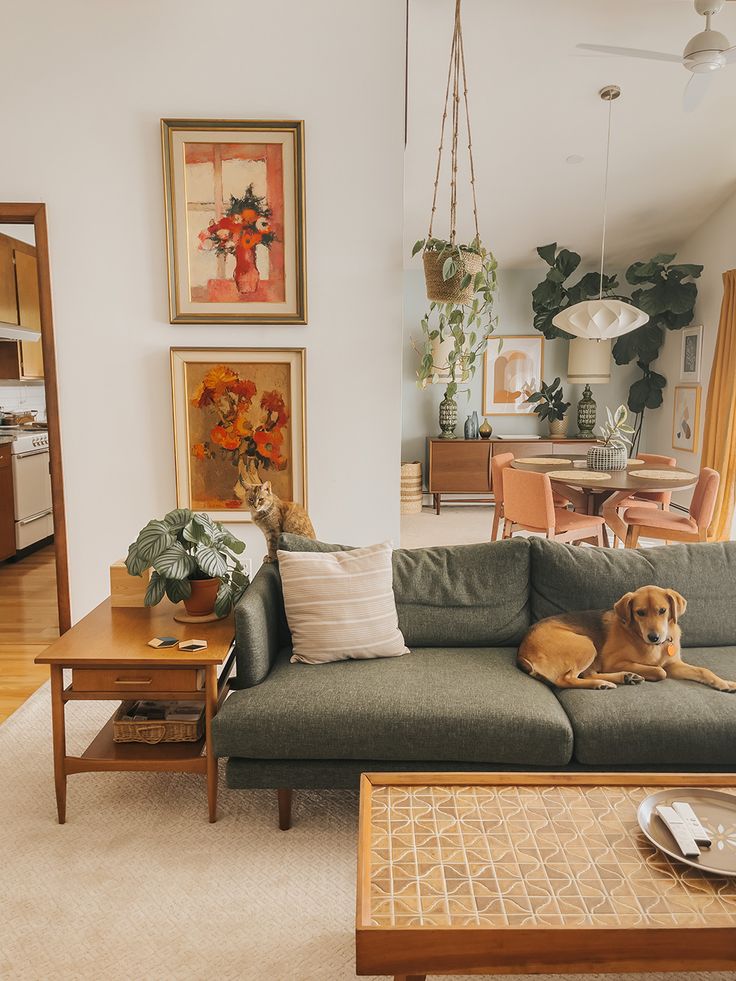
{"x":529,"y":856}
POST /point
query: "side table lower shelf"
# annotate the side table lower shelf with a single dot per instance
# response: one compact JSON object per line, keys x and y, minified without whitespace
{"x":103,"y":753}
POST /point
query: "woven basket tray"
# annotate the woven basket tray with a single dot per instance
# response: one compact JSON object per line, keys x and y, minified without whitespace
{"x":155,"y":731}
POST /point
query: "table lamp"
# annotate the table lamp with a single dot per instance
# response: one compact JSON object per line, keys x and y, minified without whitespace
{"x":588,"y":363}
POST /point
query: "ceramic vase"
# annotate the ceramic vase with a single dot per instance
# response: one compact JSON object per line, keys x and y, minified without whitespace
{"x":485,"y":430}
{"x":448,"y":418}
{"x":607,"y":458}
{"x":471,"y":426}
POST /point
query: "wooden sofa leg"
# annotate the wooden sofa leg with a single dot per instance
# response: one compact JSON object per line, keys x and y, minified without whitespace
{"x":284,"y":809}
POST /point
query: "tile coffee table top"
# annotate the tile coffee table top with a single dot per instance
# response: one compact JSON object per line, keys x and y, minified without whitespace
{"x":529,"y":856}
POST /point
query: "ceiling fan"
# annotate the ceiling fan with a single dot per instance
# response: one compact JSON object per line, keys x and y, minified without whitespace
{"x":704,"y":54}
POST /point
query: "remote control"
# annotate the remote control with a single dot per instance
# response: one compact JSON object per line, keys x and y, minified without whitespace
{"x":691,"y":819}
{"x":679,"y":831}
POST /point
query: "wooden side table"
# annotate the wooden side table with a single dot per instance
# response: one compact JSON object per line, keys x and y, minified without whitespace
{"x":109,"y":658}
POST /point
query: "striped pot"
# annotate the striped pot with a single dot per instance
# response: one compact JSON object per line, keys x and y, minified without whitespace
{"x":607,"y":458}
{"x":411,"y":488}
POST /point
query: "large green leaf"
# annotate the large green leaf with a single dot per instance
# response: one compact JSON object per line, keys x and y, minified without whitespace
{"x":210,"y":561}
{"x":178,"y":518}
{"x":684,"y":270}
{"x":567,"y":262}
{"x":178,"y":589}
{"x":175,"y":563}
{"x":644,"y":394}
{"x":224,"y":600}
{"x":547,"y":295}
{"x":668,"y":295}
{"x":548,"y":253}
{"x":199,"y":529}
{"x":154,"y":539}
{"x":155,"y":591}
{"x":135,"y":565}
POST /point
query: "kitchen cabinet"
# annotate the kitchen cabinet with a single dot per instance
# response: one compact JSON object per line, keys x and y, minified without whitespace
{"x":7,"y":510}
{"x":19,"y":304}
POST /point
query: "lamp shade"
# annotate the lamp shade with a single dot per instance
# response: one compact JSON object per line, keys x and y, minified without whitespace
{"x":589,"y":362}
{"x":598,"y":320}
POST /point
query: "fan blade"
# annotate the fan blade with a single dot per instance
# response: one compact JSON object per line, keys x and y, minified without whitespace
{"x":696,"y":90}
{"x":631,"y":52}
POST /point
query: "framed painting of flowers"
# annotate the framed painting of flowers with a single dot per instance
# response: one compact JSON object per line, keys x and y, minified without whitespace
{"x":235,"y":221}
{"x":238,"y":420}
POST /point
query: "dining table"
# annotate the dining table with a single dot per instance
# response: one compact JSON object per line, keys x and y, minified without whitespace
{"x":603,"y":492}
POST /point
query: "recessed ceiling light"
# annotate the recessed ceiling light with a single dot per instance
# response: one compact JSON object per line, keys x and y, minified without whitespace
{"x":574,"y":158}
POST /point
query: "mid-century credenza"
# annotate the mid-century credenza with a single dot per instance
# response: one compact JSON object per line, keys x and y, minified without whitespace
{"x":463,"y":466}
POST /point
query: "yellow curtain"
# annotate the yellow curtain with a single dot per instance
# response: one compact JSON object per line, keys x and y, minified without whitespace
{"x":719,"y":439}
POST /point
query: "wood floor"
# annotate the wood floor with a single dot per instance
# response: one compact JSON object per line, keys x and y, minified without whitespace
{"x":29,"y":622}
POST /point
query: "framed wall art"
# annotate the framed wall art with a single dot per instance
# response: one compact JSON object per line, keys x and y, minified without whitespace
{"x":686,"y":418}
{"x":235,"y":232}
{"x":692,"y":354}
{"x":511,"y":364}
{"x":239,"y":419}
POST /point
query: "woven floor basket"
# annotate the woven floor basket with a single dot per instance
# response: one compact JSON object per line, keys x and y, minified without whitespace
{"x":154,"y":731}
{"x":411,"y":488}
{"x":448,"y":290}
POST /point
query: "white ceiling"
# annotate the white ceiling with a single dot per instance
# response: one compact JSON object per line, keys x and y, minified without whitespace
{"x":534,"y":102}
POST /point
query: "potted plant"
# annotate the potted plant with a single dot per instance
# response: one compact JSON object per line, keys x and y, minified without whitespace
{"x":194,"y":559}
{"x":611,"y":453}
{"x":550,"y":405}
{"x":449,"y":269}
{"x":456,"y":333}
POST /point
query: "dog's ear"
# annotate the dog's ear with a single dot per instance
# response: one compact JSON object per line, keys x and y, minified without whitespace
{"x":678,"y":604}
{"x":622,"y":608}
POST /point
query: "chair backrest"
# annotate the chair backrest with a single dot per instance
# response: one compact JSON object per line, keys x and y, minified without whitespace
{"x":703,"y":503}
{"x":528,"y":499}
{"x":499,"y":463}
{"x":658,"y":459}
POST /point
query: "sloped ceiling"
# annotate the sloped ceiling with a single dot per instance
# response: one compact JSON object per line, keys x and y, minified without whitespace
{"x":534,"y":102}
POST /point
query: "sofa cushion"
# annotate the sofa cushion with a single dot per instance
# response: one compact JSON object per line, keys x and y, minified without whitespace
{"x":455,"y":595}
{"x":568,"y":577}
{"x":665,"y":723}
{"x":468,"y":704}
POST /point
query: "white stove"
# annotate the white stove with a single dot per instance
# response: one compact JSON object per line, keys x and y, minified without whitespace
{"x":34,"y":518}
{"x":29,"y":442}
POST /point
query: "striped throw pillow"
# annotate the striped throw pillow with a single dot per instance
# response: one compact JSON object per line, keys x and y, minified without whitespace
{"x":340,"y":605}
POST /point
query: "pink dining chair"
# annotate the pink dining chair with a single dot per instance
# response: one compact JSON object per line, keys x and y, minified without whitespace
{"x":529,"y":506}
{"x":648,"y":499}
{"x":500,"y":463}
{"x":669,"y":527}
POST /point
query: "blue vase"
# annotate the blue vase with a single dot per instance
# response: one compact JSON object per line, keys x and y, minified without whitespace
{"x":471,"y":426}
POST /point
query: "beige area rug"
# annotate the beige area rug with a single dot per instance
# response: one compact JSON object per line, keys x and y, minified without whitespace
{"x":138,"y":885}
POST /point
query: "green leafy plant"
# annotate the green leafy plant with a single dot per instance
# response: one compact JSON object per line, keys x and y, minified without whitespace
{"x":616,"y":432}
{"x":550,"y":403}
{"x":469,"y":326}
{"x":183,"y":546}
{"x":664,"y":290}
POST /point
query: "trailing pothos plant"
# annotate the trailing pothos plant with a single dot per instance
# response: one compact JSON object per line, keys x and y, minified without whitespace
{"x":663,"y":289}
{"x":183,"y":546}
{"x":468,"y":325}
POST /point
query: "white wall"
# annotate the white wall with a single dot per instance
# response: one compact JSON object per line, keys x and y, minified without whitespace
{"x":713,"y":246}
{"x":514,"y":308}
{"x":82,"y":134}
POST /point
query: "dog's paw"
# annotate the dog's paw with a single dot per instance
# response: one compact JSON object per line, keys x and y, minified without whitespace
{"x":631,"y":678}
{"x":728,"y":686}
{"x":605,"y":685}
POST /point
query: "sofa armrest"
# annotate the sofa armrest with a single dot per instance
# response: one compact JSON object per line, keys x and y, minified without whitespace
{"x":260,"y":627}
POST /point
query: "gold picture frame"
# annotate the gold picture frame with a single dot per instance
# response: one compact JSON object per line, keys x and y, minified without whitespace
{"x":499,"y":399}
{"x":239,"y":417}
{"x":686,"y":418}
{"x":235,"y":220}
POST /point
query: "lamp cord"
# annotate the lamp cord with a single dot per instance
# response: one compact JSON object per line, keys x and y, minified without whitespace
{"x":605,"y":194}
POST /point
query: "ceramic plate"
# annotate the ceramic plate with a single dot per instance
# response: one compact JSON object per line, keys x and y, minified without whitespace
{"x":717,"y":813}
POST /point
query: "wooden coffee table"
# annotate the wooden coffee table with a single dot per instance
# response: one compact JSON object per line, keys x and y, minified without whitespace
{"x":109,"y":658}
{"x":509,"y":873}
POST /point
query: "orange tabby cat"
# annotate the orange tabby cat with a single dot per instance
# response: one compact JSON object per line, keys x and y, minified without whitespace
{"x":274,"y":516}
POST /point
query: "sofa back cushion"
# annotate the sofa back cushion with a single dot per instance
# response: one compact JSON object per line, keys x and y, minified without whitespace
{"x":455,"y":595}
{"x":565,"y":578}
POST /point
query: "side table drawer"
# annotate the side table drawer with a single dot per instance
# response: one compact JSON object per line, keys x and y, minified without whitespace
{"x":138,"y":679}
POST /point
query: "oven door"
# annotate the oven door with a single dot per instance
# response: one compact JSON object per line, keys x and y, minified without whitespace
{"x":31,"y":484}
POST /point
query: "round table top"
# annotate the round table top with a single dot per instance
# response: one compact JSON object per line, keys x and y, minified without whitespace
{"x":620,"y":480}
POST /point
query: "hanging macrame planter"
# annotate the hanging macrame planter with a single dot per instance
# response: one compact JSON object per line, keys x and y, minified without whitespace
{"x":450,"y":269}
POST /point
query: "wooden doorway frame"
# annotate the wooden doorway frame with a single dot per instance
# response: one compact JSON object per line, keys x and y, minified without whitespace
{"x":35,"y":214}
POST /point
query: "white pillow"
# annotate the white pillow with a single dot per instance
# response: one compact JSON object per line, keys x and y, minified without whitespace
{"x":340,"y":605}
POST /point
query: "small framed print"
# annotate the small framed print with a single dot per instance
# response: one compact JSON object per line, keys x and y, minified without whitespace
{"x":692,"y":354}
{"x":239,"y":419}
{"x":235,"y":221}
{"x":512,"y":364}
{"x":686,"y":418}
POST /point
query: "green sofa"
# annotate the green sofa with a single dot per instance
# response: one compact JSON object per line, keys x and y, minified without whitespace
{"x":458,"y":701}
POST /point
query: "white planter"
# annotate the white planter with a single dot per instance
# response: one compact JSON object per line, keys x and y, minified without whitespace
{"x":607,"y":458}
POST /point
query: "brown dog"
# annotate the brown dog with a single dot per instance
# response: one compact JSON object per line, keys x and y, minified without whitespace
{"x":638,"y":640}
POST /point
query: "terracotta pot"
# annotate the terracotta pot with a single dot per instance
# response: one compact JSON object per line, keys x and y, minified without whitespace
{"x":202,"y":600}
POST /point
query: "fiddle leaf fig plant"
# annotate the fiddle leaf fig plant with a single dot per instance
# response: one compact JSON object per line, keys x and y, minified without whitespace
{"x":183,"y":546}
{"x":468,"y":326}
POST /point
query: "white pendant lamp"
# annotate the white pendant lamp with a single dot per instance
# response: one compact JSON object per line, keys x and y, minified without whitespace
{"x":604,"y":318}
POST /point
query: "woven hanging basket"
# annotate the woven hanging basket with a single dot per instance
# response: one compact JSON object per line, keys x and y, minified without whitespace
{"x":448,"y":290}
